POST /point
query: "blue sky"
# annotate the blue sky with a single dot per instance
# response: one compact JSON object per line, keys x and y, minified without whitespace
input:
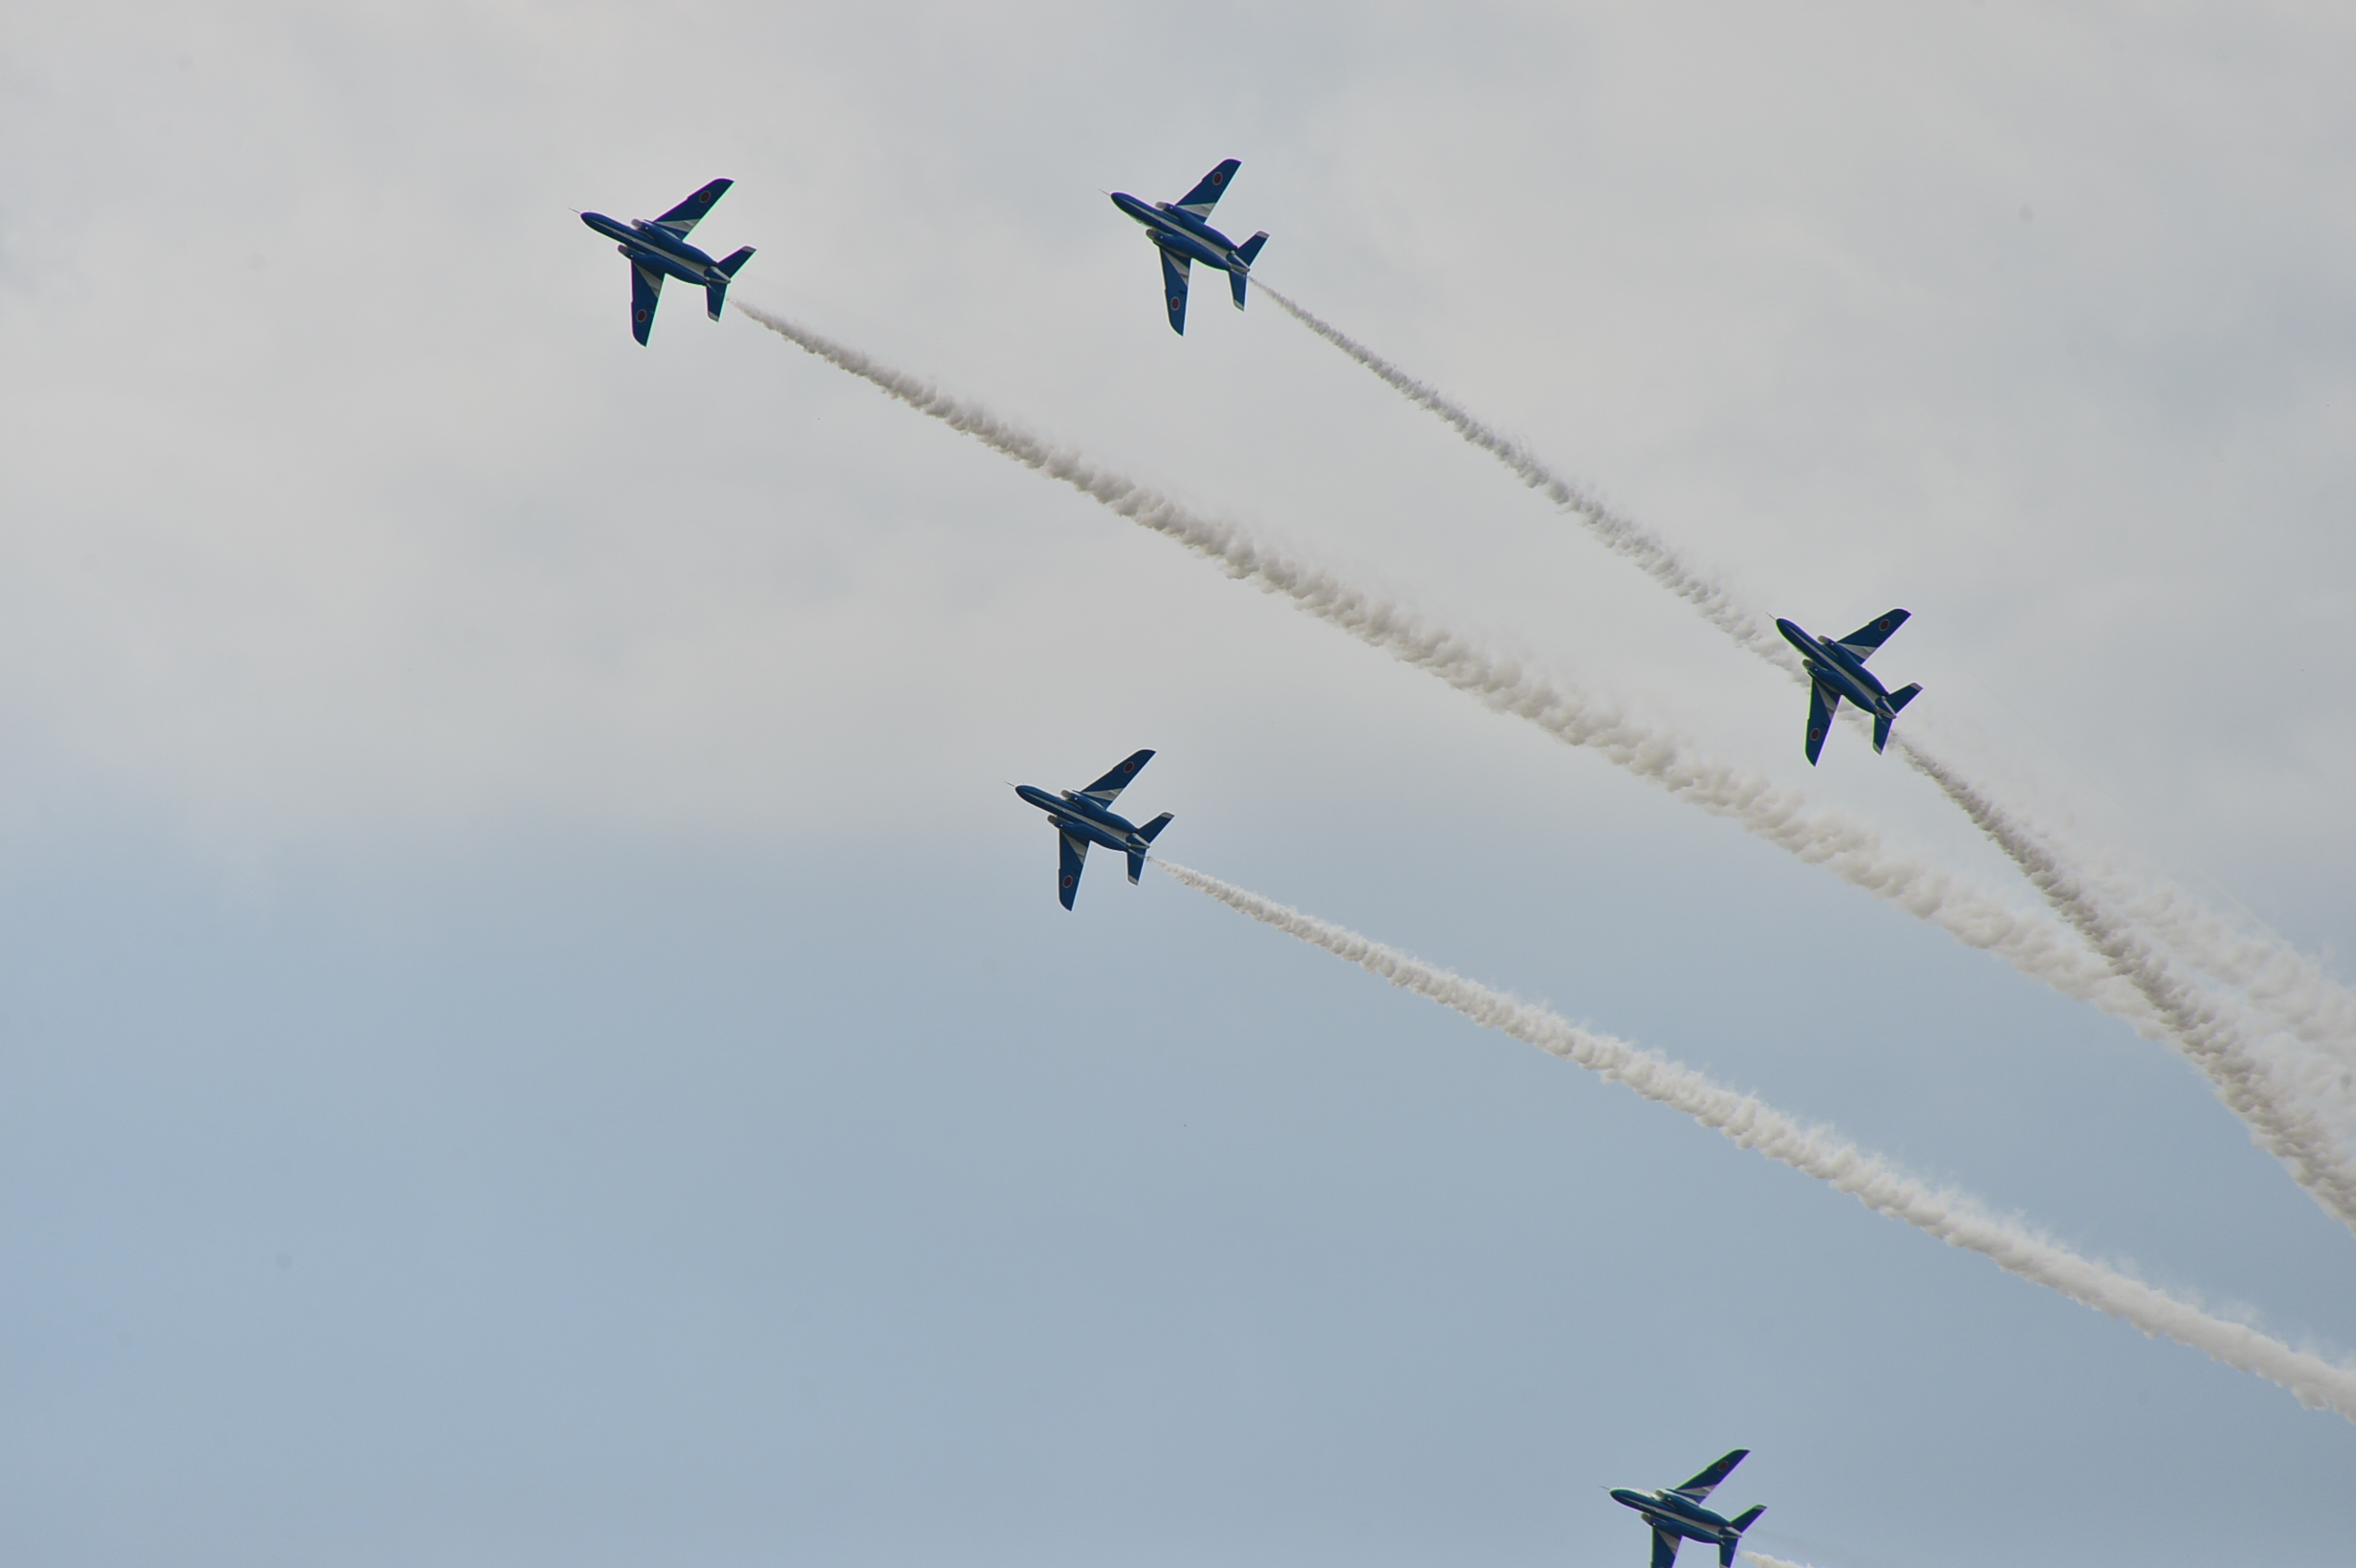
{"x":534,"y":1030}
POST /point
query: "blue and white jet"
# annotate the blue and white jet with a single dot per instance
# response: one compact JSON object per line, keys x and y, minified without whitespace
{"x":1837,"y":671}
{"x":1677,"y":1516}
{"x":1082,"y":817}
{"x":1181,"y":230}
{"x":660,"y":250}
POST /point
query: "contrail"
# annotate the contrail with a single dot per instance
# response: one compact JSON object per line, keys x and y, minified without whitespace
{"x":2035,"y":945}
{"x":2281,"y":982}
{"x":2296,"y":991}
{"x":1952,"y":1217}
{"x":2278,"y":1099}
{"x":1648,"y":551}
{"x":1852,"y":852}
{"x":2212,"y":1041}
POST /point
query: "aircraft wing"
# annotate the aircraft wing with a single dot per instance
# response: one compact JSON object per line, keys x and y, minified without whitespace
{"x":1198,"y":202}
{"x":1702,"y":1484}
{"x":1823,"y":704}
{"x":1663,"y":1548}
{"x":646,"y":291}
{"x":1873,"y":633}
{"x":1107,"y":790}
{"x":690,"y":212}
{"x":1174,"y":270}
{"x":1075,"y":857}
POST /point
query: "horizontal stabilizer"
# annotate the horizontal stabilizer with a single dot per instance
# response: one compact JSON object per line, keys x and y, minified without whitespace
{"x":1881,"y":721}
{"x":1235,"y":281}
{"x":735,"y":260}
{"x":715,"y":295}
{"x":1249,"y":250}
{"x":1150,"y":832}
{"x":1733,"y":1538}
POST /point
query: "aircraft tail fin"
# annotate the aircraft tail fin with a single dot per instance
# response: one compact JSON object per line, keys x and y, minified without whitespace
{"x":1734,"y":1527}
{"x":1245,"y":252}
{"x":715,"y":291}
{"x":1898,"y":698}
{"x":1150,"y":831}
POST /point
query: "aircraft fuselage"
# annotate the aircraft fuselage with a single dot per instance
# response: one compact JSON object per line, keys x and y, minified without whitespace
{"x":1667,"y":1511}
{"x":1083,"y":819}
{"x":1182,"y":235}
{"x":1838,"y":670}
{"x":650,"y":246}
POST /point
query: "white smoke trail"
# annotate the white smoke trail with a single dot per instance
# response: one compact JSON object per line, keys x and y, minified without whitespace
{"x":2285,"y":982}
{"x":2035,"y":945}
{"x":1765,"y":1562}
{"x":1647,"y":549}
{"x":1952,"y":1217}
{"x":2281,"y":982}
{"x":2213,"y":1040}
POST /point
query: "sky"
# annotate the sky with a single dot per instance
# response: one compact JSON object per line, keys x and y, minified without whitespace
{"x":532,"y":1031}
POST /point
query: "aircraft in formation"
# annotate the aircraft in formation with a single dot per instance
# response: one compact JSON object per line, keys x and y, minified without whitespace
{"x":1181,"y":231}
{"x":1082,"y":817}
{"x":1837,"y":671}
{"x":1676,"y":1514}
{"x":659,"y":250}
{"x":1182,"y":234}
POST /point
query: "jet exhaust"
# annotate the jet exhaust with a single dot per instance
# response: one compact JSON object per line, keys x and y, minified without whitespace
{"x":2284,"y":983}
{"x":2036,"y":945}
{"x":1950,"y":1217}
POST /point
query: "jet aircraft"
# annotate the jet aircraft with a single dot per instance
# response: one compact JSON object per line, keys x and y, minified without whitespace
{"x":1837,"y":671}
{"x":1676,"y":1514}
{"x":660,"y":250}
{"x":1181,"y":230}
{"x":1082,"y":817}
